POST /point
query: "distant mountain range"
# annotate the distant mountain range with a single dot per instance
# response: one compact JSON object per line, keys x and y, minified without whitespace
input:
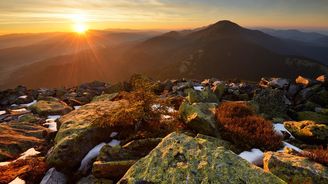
{"x":222,"y":50}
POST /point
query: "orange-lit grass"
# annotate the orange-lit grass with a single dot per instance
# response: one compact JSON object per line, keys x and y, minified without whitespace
{"x":239,"y":124}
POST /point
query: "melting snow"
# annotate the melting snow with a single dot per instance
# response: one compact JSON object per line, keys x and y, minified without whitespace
{"x":198,"y":88}
{"x":29,"y":104}
{"x":29,"y":152}
{"x":23,"y":97}
{"x":2,"y":112}
{"x":4,"y":163}
{"x":255,"y":156}
{"x":52,"y":125}
{"x":113,"y":134}
{"x":279,"y":128}
{"x":21,"y":110}
{"x":87,"y":160}
{"x":76,"y":107}
{"x":290,"y":146}
{"x":17,"y":181}
{"x":114,"y":143}
{"x":54,"y":117}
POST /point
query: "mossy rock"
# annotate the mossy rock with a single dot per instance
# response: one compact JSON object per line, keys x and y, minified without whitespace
{"x":205,"y":96}
{"x":111,"y":169}
{"x":308,"y":131}
{"x":104,"y":97}
{"x":31,"y":118}
{"x":320,"y":98}
{"x":271,"y":103}
{"x":200,"y":117}
{"x":93,"y":180}
{"x":139,"y":81}
{"x":50,"y":106}
{"x":295,"y":169}
{"x":313,"y":116}
{"x":79,"y":133}
{"x":183,"y":159}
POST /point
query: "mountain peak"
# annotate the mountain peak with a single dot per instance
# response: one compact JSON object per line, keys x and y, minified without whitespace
{"x":226,"y":24}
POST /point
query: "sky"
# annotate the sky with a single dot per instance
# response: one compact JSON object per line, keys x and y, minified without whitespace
{"x":18,"y":16}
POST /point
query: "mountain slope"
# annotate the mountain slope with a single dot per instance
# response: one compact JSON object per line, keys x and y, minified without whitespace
{"x":223,"y":50}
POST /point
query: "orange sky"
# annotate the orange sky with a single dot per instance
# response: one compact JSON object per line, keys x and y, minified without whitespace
{"x":17,"y":16}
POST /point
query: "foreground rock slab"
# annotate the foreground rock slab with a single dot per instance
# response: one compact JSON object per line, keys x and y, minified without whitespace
{"x":295,"y":169}
{"x":78,"y":133}
{"x":308,"y":130}
{"x":183,"y":159}
{"x":17,"y":137}
{"x":51,"y":106}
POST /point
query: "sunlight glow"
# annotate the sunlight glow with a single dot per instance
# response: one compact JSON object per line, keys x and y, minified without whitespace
{"x":79,"y":23}
{"x":80,"y":28}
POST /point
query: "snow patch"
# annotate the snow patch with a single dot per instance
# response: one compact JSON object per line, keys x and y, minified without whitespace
{"x":286,"y":144}
{"x":54,"y":117}
{"x":113,"y":134}
{"x":255,"y":156}
{"x":77,"y":107}
{"x":29,"y":152}
{"x":21,"y":110}
{"x":114,"y":143}
{"x":279,"y":128}
{"x":52,"y":125}
{"x":4,"y":163}
{"x":23,"y":97}
{"x":87,"y":160}
{"x":17,"y":181}
{"x":198,"y":88}
{"x":2,"y":112}
{"x":29,"y":104}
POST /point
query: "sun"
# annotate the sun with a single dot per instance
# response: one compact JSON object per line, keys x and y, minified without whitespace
{"x":79,"y":23}
{"x":80,"y":28}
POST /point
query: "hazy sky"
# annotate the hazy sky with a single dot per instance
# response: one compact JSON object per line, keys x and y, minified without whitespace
{"x":61,"y":15}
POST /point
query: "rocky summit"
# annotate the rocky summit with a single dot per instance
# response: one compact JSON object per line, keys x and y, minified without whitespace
{"x":173,"y":131}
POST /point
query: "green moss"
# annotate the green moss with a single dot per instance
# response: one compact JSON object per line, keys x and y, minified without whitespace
{"x":313,"y":116}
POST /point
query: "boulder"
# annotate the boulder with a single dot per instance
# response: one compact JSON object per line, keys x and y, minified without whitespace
{"x":17,"y":137}
{"x":91,"y":179}
{"x":205,"y":96}
{"x":305,"y":81}
{"x":104,"y":97}
{"x":200,"y":117}
{"x":313,"y":116}
{"x":293,"y":90}
{"x":279,"y":83}
{"x":320,"y":98}
{"x":79,"y":133}
{"x":295,"y":169}
{"x":53,"y":176}
{"x":218,"y":90}
{"x":183,"y":159}
{"x":113,"y":162}
{"x":308,"y":130}
{"x":50,"y":106}
{"x":271,"y":103}
{"x":323,"y":79}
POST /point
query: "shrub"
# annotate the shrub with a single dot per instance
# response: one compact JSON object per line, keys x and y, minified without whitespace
{"x":238,"y":124}
{"x":318,"y":155}
{"x":142,"y":114}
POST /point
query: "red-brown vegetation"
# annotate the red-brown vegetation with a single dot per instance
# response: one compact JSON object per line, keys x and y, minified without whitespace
{"x":318,"y":155}
{"x":239,"y":124}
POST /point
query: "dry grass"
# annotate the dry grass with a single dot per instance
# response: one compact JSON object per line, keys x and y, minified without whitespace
{"x":318,"y":155}
{"x":31,"y":170}
{"x":242,"y":127}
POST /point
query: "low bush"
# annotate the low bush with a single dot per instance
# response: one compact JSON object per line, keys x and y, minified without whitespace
{"x":319,"y":155}
{"x":144,"y":112}
{"x":238,"y":124}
